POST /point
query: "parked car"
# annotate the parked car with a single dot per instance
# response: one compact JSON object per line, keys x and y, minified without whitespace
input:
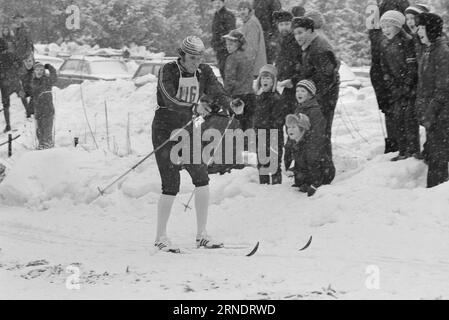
{"x":152,"y":67}
{"x":77,"y":69}
{"x":348,"y":78}
{"x":55,"y":62}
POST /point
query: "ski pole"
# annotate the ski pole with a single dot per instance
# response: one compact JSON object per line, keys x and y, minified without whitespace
{"x":187,"y":206}
{"x":103,"y":191}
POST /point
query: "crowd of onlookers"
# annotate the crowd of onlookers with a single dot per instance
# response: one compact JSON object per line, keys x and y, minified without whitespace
{"x":20,"y":74}
{"x":297,"y":74}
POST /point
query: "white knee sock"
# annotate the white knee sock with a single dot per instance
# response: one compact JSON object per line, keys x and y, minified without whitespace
{"x":202,"y":209}
{"x":164,"y":207}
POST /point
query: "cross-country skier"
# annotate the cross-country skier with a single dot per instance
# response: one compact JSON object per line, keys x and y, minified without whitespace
{"x":183,"y":88}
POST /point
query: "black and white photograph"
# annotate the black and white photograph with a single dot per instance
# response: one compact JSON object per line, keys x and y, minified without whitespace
{"x":224,"y":150}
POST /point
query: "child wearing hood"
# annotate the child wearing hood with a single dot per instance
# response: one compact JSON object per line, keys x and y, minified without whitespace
{"x":269,"y":115}
{"x":307,"y":143}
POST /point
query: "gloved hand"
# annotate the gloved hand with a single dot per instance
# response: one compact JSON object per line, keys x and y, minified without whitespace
{"x":202,"y":108}
{"x":303,"y":188}
{"x":311,"y":190}
{"x":238,"y":106}
{"x":289,"y":173}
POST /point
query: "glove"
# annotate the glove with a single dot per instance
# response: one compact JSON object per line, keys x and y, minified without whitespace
{"x":290,"y":174}
{"x":203,"y":109}
{"x":311,"y":190}
{"x":238,"y":106}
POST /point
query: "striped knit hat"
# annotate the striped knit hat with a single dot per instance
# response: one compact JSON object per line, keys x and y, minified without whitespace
{"x":37,"y":65}
{"x":193,"y":45}
{"x":417,"y":9}
{"x":308,"y":85}
{"x":394,"y":18}
{"x":300,"y":120}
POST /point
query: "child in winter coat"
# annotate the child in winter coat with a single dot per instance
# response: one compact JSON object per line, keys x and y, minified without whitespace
{"x":26,"y":77}
{"x":400,"y":70}
{"x":44,"y":110}
{"x":269,"y":115}
{"x":308,"y":143}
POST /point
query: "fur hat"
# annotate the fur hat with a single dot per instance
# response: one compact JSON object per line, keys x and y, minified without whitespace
{"x":433,"y":23}
{"x":270,"y":70}
{"x":236,"y":35}
{"x":245,"y":5}
{"x":317,"y":18}
{"x":300,"y":120}
{"x":192,"y":45}
{"x":298,"y":11}
{"x":282,"y":16}
{"x":394,"y":18}
{"x":417,"y":9}
{"x":308,"y":85}
{"x":303,"y":22}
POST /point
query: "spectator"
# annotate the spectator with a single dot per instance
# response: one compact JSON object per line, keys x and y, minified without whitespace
{"x":253,"y":32}
{"x":44,"y":109}
{"x":433,"y":96}
{"x":222,"y":24}
{"x":376,"y":37}
{"x":288,"y":57}
{"x":26,"y":77}
{"x":238,"y":80}
{"x":269,"y":115}
{"x":411,"y":15}
{"x":9,"y":80}
{"x":264,"y":9}
{"x":319,"y":64}
{"x":23,"y":43}
{"x":8,"y":37}
{"x":400,"y":70}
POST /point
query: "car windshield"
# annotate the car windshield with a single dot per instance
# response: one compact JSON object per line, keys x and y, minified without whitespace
{"x":108,"y":67}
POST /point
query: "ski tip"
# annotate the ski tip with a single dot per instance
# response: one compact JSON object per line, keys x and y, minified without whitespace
{"x":253,"y":252}
{"x":307,"y":245}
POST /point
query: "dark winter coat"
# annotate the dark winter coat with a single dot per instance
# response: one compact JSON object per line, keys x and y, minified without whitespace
{"x":222,"y":24}
{"x":9,"y":72}
{"x":210,"y":87}
{"x":270,"y":111}
{"x":433,"y":98}
{"x":311,"y":156}
{"x":255,"y":43}
{"x":320,"y":64}
{"x":9,"y":40}
{"x":23,"y":43}
{"x":42,"y":94}
{"x":238,"y":78}
{"x":399,"y":68}
{"x":263,"y":9}
{"x":288,"y":57}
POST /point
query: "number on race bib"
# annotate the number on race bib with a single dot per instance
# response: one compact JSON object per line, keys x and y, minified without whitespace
{"x":372,"y":17}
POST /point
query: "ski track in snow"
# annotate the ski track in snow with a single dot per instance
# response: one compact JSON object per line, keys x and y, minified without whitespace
{"x":376,"y":214}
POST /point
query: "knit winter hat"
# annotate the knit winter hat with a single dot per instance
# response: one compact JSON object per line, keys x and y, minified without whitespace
{"x":193,"y":45}
{"x":433,"y":23}
{"x":317,"y":18}
{"x":394,"y":18}
{"x":267,"y":69}
{"x":300,"y":120}
{"x":282,"y":16}
{"x":38,"y":65}
{"x":298,"y":11}
{"x":417,"y":9}
{"x":308,"y":85}
{"x":303,"y":22}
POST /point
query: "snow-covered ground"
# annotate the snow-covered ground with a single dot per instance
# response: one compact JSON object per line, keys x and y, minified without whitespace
{"x":377,"y":232}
